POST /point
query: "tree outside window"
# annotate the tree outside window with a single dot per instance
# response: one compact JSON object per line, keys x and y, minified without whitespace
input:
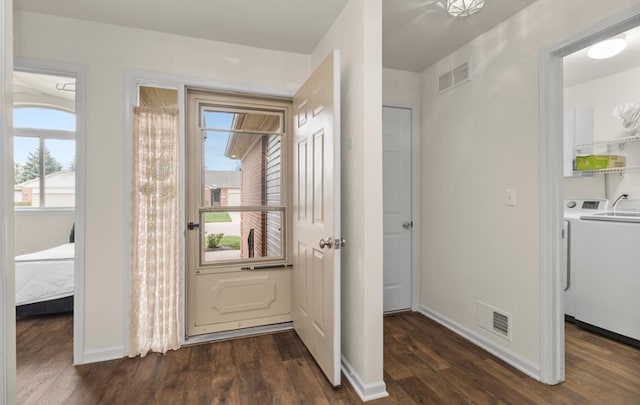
{"x":44,"y":155}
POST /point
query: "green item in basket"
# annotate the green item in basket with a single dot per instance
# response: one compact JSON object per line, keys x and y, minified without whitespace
{"x":599,"y":162}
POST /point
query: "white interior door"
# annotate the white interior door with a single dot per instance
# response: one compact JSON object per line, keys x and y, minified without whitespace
{"x":396,"y":133}
{"x":316,"y":216}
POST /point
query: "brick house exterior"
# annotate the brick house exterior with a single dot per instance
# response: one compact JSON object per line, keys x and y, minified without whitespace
{"x":253,"y":195}
{"x":261,"y":167}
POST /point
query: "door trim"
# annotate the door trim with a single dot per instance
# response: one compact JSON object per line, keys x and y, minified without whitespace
{"x":132,"y":81}
{"x":550,"y":172}
{"x":415,"y":201}
{"x":7,"y":283}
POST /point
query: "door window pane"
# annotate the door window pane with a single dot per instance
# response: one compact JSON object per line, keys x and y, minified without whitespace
{"x":241,"y":169}
{"x":236,"y":235}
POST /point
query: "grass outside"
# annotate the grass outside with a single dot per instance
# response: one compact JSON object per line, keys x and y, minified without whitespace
{"x":231,"y":241}
{"x":217,"y":217}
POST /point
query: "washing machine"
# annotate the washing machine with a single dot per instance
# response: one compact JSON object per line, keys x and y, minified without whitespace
{"x":573,"y":210}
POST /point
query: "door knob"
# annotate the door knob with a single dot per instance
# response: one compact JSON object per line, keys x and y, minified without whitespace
{"x":407,"y":225}
{"x":326,"y":243}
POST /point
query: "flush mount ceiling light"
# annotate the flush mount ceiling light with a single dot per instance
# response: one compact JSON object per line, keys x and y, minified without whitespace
{"x":464,"y":8}
{"x":607,"y":48}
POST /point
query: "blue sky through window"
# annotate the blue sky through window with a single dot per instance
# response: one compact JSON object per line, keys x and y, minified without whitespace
{"x":44,"y":118}
{"x":216,"y":142}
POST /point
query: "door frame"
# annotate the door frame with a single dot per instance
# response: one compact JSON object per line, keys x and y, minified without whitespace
{"x":7,"y":282}
{"x":552,"y":366}
{"x":132,"y":79}
{"x":79,"y":73}
{"x":237,"y":101}
{"x":416,"y":192}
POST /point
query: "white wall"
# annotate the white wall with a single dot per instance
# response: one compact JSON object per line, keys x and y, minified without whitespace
{"x":583,"y":187}
{"x":400,"y":88}
{"x":7,"y":279}
{"x":41,"y":230}
{"x":481,"y":138}
{"x":108,"y":51}
{"x":604,"y":95}
{"x":357,"y":33}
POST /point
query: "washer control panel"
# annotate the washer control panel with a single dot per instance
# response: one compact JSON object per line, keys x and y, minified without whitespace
{"x":589,"y":206}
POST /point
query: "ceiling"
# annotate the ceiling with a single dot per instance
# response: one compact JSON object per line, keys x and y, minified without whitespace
{"x":287,"y":25}
{"x":416,"y":33}
{"x":579,"y":68}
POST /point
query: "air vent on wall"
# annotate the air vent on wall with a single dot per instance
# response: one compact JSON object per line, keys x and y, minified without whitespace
{"x":454,"y":77}
{"x":445,"y":81}
{"x":494,"y":320}
{"x":501,"y":323}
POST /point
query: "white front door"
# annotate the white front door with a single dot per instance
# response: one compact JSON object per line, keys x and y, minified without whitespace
{"x":396,"y":133}
{"x":316,"y":216}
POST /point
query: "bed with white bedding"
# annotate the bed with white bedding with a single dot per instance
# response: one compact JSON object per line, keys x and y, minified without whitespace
{"x":44,"y":281}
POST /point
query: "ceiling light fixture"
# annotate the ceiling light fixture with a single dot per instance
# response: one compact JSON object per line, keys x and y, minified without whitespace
{"x":607,"y":48}
{"x":464,"y":8}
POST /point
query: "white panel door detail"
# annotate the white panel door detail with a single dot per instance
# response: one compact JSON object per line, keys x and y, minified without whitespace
{"x":396,"y":133}
{"x":316,"y":198}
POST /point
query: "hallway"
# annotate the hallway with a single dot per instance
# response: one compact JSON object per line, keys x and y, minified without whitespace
{"x":424,"y":363}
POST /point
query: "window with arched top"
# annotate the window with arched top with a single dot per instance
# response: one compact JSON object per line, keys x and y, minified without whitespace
{"x":44,"y":150}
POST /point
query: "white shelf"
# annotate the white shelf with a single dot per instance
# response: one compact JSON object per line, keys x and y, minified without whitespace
{"x":620,"y":170}
{"x":619,"y":142}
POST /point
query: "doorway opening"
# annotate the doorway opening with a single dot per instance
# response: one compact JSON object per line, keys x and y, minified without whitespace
{"x":602,"y":176}
{"x":552,"y":165}
{"x":48,"y":196}
{"x":314,"y":127}
{"x":238,"y":212}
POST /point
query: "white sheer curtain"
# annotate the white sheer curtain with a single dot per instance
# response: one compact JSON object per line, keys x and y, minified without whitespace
{"x":154,"y":324}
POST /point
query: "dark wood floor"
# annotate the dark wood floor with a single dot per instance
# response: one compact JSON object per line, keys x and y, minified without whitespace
{"x":424,"y":364}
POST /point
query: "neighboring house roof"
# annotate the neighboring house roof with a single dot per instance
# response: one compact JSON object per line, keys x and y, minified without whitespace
{"x":61,"y":179}
{"x":223,"y":179}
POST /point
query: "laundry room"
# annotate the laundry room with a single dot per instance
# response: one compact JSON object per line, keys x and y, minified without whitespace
{"x":602,"y":187}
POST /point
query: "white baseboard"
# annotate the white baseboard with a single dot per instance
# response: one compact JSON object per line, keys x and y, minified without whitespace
{"x":95,"y":356}
{"x":366,"y":392}
{"x":526,"y":366}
